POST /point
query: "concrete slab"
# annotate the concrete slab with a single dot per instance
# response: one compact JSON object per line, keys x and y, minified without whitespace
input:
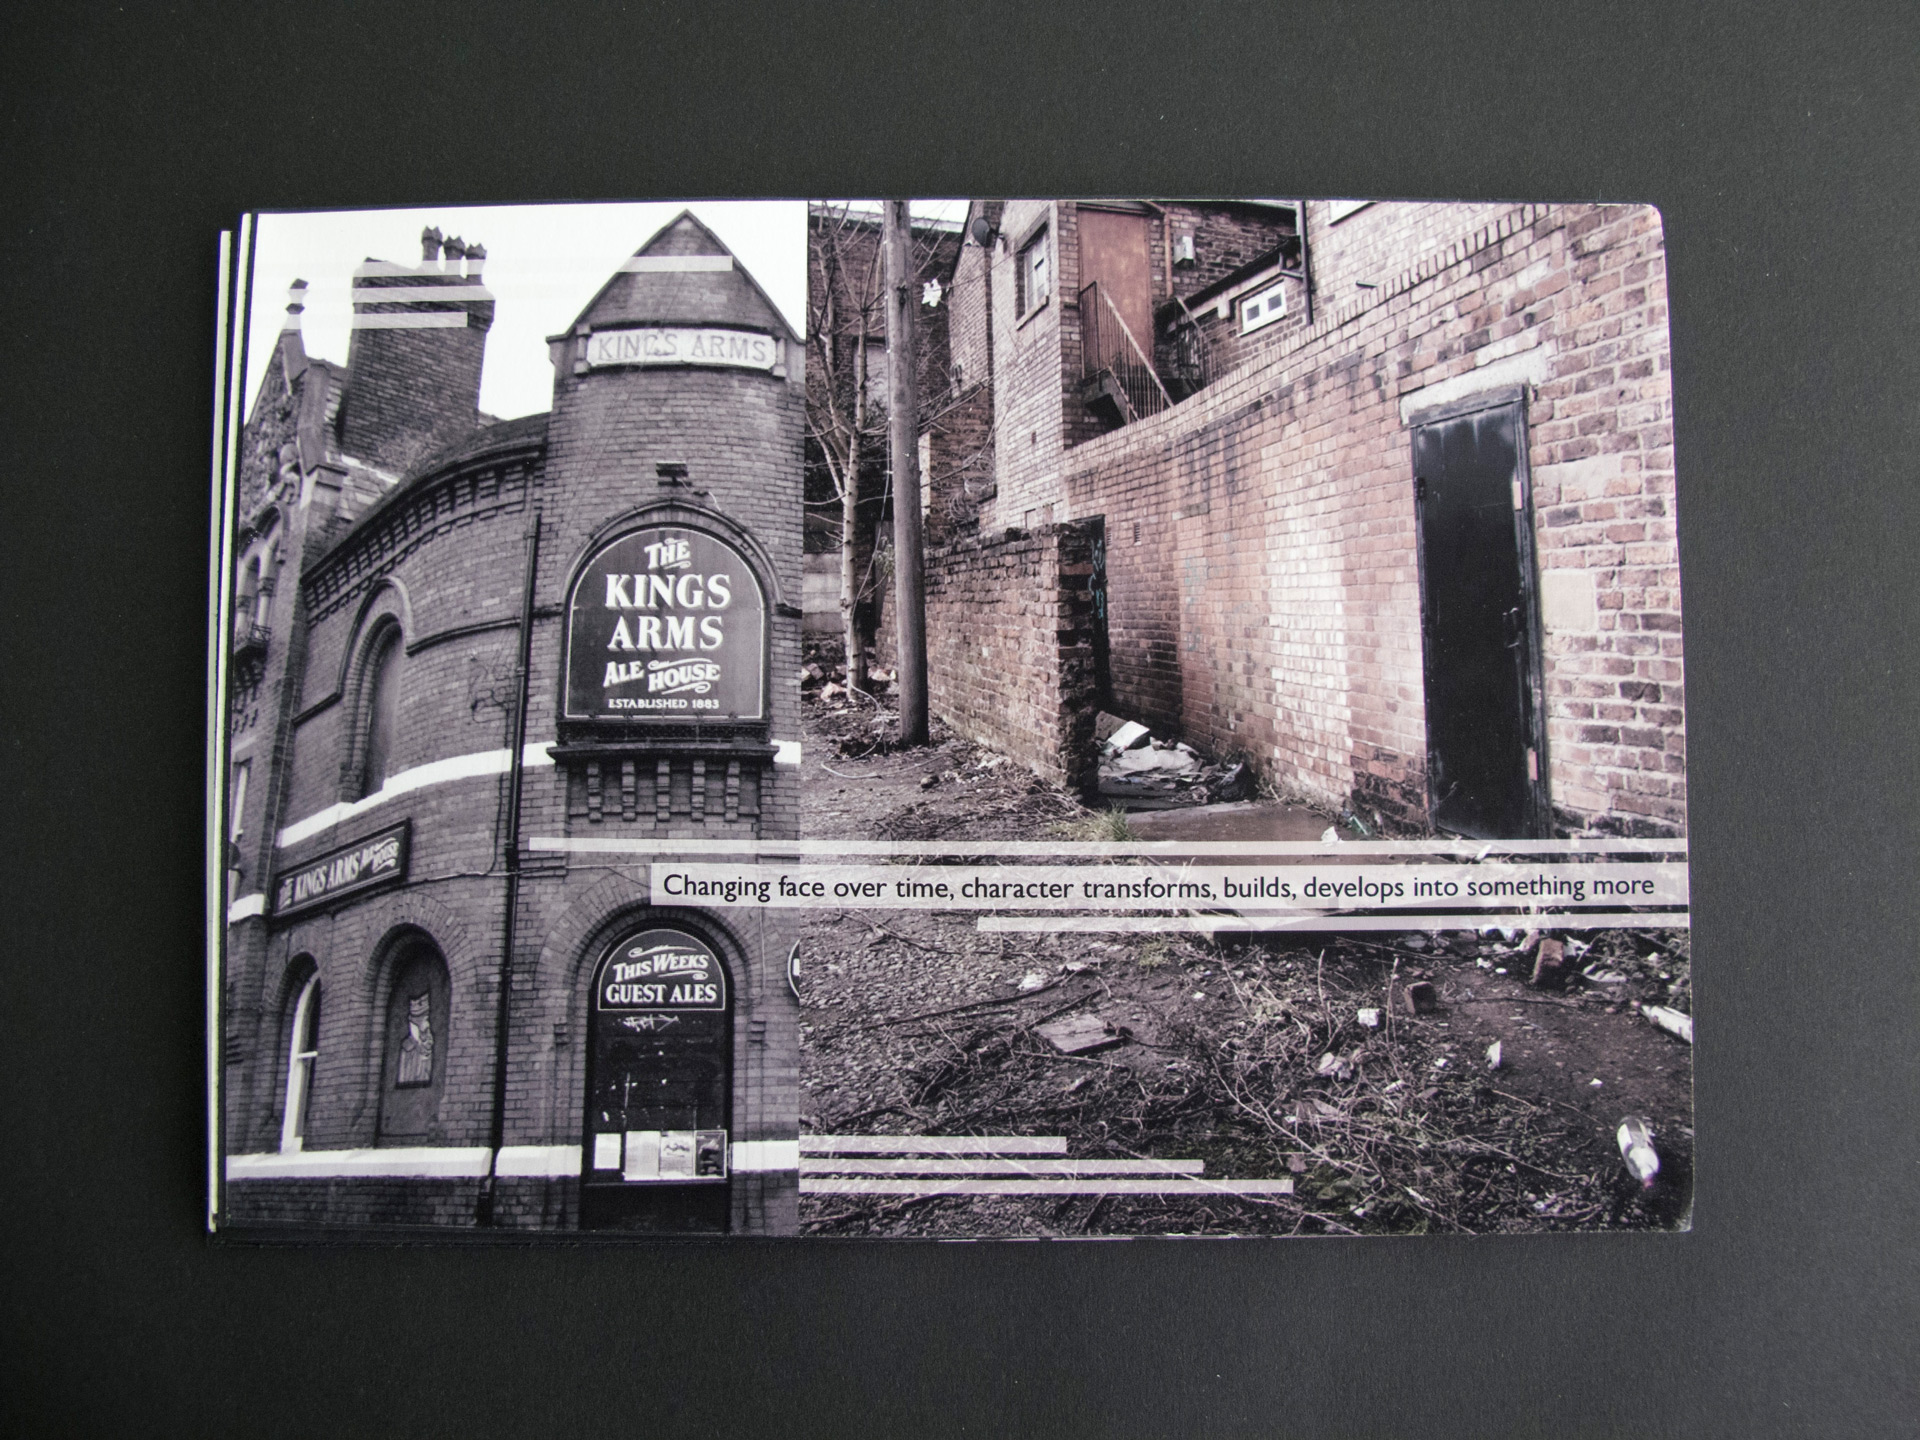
{"x":1237,"y":820}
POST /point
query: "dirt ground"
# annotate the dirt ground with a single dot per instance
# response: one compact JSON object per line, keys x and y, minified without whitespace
{"x":1248,"y":1053}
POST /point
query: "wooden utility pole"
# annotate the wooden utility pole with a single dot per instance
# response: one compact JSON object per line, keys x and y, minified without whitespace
{"x":903,"y":425}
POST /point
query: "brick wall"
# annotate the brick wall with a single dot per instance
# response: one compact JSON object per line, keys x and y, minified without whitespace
{"x":1010,"y":645}
{"x":1029,"y":385}
{"x":1262,"y":574}
{"x":1385,"y":239}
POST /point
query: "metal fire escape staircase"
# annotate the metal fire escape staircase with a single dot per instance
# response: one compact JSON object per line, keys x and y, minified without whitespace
{"x":1119,"y":381}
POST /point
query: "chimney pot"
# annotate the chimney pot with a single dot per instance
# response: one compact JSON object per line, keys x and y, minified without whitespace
{"x":430,"y":244}
{"x":456,"y":251}
{"x":297,"y":297}
{"x":476,"y":259}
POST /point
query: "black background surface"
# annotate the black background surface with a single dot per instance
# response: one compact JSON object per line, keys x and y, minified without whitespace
{"x":1779,"y":140}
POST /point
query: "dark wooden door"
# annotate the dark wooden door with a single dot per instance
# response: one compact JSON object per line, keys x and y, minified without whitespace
{"x":1485,"y":756}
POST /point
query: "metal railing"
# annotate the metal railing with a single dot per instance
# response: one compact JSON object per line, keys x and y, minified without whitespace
{"x":1109,"y":349}
{"x":1188,"y":359}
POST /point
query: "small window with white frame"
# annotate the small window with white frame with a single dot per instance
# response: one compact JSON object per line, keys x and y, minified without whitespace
{"x":1264,"y":306}
{"x":1032,"y":277}
{"x":303,"y":1048}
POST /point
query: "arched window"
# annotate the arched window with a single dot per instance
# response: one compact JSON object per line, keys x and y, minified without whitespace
{"x":414,"y":1070}
{"x":303,"y":1048}
{"x":382,"y":691}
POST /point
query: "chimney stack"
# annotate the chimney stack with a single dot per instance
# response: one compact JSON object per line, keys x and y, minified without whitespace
{"x":293,"y":348}
{"x":414,"y":361}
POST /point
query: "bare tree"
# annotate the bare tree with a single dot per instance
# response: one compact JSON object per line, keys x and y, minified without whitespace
{"x":847,"y":406}
{"x":844,"y":304}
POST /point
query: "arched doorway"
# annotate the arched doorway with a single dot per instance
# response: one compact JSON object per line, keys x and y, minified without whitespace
{"x":659,"y":1085}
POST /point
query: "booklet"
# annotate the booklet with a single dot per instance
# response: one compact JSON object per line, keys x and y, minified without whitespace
{"x":947,"y":719}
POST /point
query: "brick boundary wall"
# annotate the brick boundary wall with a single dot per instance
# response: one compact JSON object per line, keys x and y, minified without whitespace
{"x":1010,"y":660}
{"x":443,"y":1204}
{"x":1262,"y":568}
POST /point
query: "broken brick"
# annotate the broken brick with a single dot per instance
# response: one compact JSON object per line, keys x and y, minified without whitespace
{"x":1550,"y":966}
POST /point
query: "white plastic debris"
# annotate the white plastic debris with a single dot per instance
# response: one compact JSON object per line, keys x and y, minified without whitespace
{"x":1369,"y":1017}
{"x":1441,"y":1063}
{"x":1493,"y":1056}
{"x":1602,"y":976}
{"x":1329,"y":836}
{"x":1128,"y":736}
{"x":1636,"y":1148}
{"x":1032,"y":980}
{"x":1674,"y":1022}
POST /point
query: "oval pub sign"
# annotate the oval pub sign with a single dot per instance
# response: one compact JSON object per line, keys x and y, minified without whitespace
{"x":659,"y":970}
{"x":666,"y":623}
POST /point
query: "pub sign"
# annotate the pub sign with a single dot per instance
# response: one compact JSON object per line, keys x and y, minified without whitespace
{"x":376,"y":860}
{"x":666,"y":623}
{"x":666,"y":971}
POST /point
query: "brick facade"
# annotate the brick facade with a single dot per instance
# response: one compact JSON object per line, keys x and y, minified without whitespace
{"x":440,"y":557}
{"x":1263,"y":568}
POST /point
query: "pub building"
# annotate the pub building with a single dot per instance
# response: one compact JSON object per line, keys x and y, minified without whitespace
{"x":481,"y":671}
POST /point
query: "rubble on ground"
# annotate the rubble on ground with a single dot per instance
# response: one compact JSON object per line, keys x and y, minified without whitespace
{"x":1141,"y":770}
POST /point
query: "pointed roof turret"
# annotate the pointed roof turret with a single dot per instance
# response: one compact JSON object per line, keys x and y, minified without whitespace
{"x":684,"y":275}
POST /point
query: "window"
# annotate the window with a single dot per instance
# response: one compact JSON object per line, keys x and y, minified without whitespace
{"x":1031,"y":277}
{"x":236,"y":826}
{"x":237,"y":801}
{"x":382,"y":688}
{"x":303,"y":1048}
{"x":1263,"y":307}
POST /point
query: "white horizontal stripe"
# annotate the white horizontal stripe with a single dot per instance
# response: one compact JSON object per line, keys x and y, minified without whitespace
{"x":539,"y":1160}
{"x":246,"y":907}
{"x":1103,"y":849}
{"x":1267,"y":924}
{"x":657,"y":264}
{"x":407,"y":294}
{"x":786,"y":752}
{"x":388,"y":268}
{"x":757,"y":1155}
{"x":873,"y":1185}
{"x":411,"y":1163}
{"x":415,"y":320}
{"x":933,"y":1144}
{"x":435,"y":772}
{"x":998,"y":1165}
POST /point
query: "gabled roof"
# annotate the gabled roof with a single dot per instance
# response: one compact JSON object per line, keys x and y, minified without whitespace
{"x":684,"y":275}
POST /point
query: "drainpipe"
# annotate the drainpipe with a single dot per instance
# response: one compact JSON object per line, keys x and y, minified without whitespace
{"x":516,"y":771}
{"x":1306,"y":262}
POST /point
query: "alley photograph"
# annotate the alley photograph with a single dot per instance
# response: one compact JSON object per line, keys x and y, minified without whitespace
{"x":1264,"y":532}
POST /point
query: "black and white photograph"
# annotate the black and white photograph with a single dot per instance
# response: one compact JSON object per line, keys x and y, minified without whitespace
{"x":1244,"y":793}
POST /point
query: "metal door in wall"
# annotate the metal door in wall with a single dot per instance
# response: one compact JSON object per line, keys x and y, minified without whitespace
{"x":659,"y":1082}
{"x":1486,"y":759}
